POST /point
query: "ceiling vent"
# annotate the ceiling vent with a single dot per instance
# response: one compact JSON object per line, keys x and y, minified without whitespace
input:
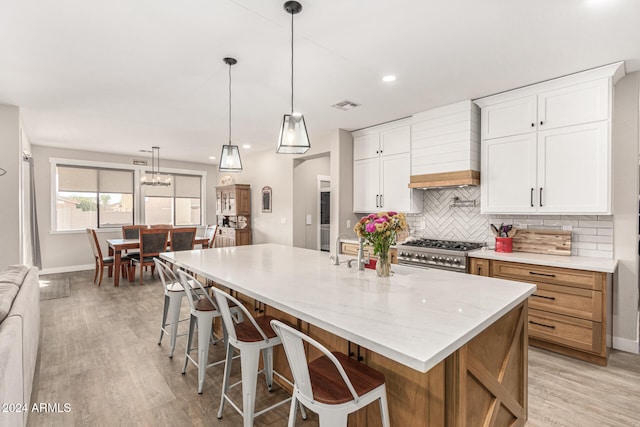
{"x":345,"y":105}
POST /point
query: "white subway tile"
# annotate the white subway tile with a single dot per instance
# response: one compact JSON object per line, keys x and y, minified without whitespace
{"x":530,"y":221}
{"x":545,"y":217}
{"x":605,"y":247}
{"x":595,"y":239}
{"x":584,"y":245}
{"x":605,"y":231}
{"x":597,"y":224}
{"x":581,"y":217}
{"x":605,"y":217}
{"x":561,"y":222}
{"x":596,"y":254}
{"x":583,"y":230}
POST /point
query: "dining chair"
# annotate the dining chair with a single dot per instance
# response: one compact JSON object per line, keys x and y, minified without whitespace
{"x":102,"y":261}
{"x":210,"y":232}
{"x":182,"y":239}
{"x":250,"y":336}
{"x":333,"y":385}
{"x":152,"y":243}
{"x":132,"y":231}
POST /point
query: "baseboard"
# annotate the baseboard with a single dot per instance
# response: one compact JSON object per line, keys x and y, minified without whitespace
{"x":67,"y":269}
{"x":624,"y":344}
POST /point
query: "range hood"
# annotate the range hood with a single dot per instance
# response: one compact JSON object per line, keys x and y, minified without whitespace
{"x":445,"y":146}
{"x":445,"y":179}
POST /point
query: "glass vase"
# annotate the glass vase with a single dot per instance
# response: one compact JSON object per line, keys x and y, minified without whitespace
{"x":383,"y":266}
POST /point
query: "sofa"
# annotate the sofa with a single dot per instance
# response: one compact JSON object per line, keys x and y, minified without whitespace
{"x":19,"y":338}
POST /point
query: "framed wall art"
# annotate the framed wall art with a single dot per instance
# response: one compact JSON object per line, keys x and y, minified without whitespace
{"x":266,"y":199}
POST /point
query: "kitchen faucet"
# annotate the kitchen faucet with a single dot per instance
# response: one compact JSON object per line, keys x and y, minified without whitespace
{"x":335,"y":259}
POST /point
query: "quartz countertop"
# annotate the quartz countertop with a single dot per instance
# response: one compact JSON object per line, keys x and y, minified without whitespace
{"x":603,"y":265}
{"x":417,"y":317}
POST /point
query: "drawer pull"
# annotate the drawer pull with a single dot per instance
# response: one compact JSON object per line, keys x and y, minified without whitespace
{"x":544,"y":296}
{"x":542,"y":274}
{"x":541,"y":324}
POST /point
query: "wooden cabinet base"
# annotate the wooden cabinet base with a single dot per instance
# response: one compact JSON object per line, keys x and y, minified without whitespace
{"x":577,"y":354}
{"x":484,"y":383}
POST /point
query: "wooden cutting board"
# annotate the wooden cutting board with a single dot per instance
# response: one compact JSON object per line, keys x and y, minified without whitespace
{"x":550,"y":242}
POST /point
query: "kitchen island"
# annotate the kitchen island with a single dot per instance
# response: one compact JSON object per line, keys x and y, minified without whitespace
{"x":452,"y":346}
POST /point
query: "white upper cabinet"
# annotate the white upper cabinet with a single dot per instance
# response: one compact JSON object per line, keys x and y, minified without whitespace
{"x":546,"y":148}
{"x":381,"y":169}
{"x":512,"y":117}
{"x":581,"y":103}
{"x":573,"y":169}
{"x":508,"y":177}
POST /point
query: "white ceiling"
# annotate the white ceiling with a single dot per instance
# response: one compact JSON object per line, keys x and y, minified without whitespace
{"x":123,"y":75}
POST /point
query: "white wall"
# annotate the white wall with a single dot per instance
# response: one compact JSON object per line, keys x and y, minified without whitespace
{"x":342,"y":186}
{"x":305,"y":194}
{"x":10,"y":160}
{"x":626,"y":136}
{"x":70,"y":251}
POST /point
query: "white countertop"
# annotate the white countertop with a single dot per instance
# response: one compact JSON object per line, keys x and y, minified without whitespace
{"x":417,"y":317}
{"x":603,"y":265}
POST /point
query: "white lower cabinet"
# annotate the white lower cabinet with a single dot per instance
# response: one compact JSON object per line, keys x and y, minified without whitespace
{"x":563,"y":170}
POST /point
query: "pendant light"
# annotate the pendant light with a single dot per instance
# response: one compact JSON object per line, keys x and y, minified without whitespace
{"x":293,"y":137}
{"x":230,"y":156}
{"x":156,"y":178}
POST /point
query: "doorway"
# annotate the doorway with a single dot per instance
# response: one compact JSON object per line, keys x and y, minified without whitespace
{"x":324,"y":213}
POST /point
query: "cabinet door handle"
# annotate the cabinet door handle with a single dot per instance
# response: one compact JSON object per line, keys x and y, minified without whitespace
{"x":540,"y":196}
{"x":377,"y":203}
{"x":533,"y":125}
{"x":544,"y":296}
{"x":541,"y":274}
{"x":541,"y":122}
{"x":541,"y":324}
{"x":381,"y":200}
{"x":479,"y":270}
{"x":531,"y":197}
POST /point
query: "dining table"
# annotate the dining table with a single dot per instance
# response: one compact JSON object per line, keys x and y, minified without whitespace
{"x":116,"y":246}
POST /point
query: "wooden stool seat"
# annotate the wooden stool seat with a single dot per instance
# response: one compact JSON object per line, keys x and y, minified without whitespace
{"x":328,"y":386}
{"x":204,"y":305}
{"x":247,"y":333}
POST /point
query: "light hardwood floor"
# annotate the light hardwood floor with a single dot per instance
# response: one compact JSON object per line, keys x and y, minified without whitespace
{"x":99,"y":353}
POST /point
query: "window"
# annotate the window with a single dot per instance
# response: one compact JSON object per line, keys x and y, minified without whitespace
{"x":177,"y":204}
{"x":90,"y":197}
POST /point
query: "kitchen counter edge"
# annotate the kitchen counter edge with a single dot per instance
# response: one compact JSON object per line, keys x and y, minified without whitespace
{"x":603,"y":265}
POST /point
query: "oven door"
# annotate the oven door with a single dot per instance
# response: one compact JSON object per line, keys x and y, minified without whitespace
{"x":430,"y":264}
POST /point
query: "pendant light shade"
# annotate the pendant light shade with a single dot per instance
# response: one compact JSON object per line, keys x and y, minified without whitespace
{"x":293,"y":138}
{"x":230,"y":156}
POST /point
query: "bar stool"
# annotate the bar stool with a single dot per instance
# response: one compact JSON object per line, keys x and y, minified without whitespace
{"x":332,"y":385}
{"x":203,"y":311}
{"x":173,"y":293}
{"x":250,"y":337}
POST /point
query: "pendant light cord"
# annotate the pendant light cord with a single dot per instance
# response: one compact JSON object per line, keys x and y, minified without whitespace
{"x":229,"y":104}
{"x":291,"y":63}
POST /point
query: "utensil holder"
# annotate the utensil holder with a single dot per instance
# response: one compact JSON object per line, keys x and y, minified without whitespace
{"x":504,"y":244}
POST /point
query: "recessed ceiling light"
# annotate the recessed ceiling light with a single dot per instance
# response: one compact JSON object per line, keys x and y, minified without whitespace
{"x":389,"y":78}
{"x":246,"y":146}
{"x":212,"y":157}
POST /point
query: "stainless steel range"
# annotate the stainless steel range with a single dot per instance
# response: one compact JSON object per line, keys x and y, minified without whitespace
{"x":441,"y":254}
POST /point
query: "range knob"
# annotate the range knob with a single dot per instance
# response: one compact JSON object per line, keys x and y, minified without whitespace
{"x":433,"y":258}
{"x":456,"y":261}
{"x":448,"y":260}
{"x":440,"y":259}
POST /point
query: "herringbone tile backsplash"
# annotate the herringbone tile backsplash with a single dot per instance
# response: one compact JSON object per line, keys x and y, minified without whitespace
{"x":592,"y":235}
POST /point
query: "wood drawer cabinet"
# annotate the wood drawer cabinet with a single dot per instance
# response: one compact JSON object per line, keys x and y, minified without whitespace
{"x":565,"y":330}
{"x":352,"y":249}
{"x":479,"y":267}
{"x":570,"y":312}
{"x":554,"y":275}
